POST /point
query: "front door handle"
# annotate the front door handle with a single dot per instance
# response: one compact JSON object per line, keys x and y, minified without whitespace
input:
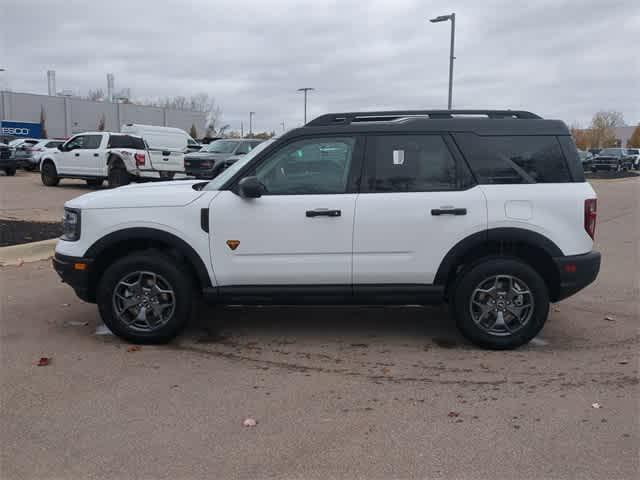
{"x":96,"y":154}
{"x":448,"y":211}
{"x":77,"y":154}
{"x":324,"y":212}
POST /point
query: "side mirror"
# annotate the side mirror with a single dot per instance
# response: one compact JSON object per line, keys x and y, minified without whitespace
{"x":250,"y":187}
{"x":62,"y":148}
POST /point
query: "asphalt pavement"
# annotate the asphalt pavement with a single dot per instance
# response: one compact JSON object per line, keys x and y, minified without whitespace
{"x":336,"y":392}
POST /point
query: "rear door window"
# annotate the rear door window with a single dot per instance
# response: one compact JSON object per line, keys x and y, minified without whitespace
{"x":126,"y":141}
{"x":514,"y":159}
{"x":411,"y":163}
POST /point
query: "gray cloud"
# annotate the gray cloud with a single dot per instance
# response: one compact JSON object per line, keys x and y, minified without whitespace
{"x":562,"y":59}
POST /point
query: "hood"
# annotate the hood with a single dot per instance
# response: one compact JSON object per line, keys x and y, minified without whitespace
{"x":152,"y":194}
{"x":207,"y":156}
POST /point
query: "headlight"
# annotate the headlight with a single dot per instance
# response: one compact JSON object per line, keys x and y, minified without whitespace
{"x":71,"y":225}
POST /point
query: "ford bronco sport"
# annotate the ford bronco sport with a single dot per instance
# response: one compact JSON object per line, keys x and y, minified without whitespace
{"x":486,"y":210}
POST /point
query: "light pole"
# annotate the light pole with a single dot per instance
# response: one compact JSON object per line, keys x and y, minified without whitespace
{"x":282,"y":123}
{"x":251,"y":114}
{"x":444,"y":18}
{"x":305,"y":90}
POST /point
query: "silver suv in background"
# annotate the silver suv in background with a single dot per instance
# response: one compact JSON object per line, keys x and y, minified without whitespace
{"x":29,"y":155}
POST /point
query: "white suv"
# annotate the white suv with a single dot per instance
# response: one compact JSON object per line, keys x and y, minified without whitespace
{"x":487,"y":210}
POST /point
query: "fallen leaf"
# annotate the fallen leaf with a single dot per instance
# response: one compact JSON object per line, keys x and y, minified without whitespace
{"x":453,"y":414}
{"x":133,"y":348}
{"x":65,"y":305}
{"x":596,"y":405}
{"x":44,"y":361}
{"x":386,"y":371}
{"x":249,"y":422}
{"x":610,"y":318}
{"x":74,"y":323}
{"x":20,"y":262}
{"x":623,"y":362}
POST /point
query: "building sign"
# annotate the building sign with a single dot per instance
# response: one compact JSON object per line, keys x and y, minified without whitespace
{"x":19,"y":129}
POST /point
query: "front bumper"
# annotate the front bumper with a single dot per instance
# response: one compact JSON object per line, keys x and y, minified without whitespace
{"x":576,"y":272}
{"x":70,"y":271}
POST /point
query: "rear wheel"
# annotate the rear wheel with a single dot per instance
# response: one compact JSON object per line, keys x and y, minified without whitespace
{"x":500,"y":303}
{"x":145,"y":297}
{"x":95,"y":182}
{"x":49,"y":174}
{"x":118,"y":175}
{"x":10,"y":172}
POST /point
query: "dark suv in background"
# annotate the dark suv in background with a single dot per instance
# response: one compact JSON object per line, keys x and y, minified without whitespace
{"x":614,"y":159}
{"x":218,"y":155}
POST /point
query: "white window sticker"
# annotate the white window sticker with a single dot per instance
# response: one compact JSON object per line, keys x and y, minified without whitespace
{"x":398,"y":157}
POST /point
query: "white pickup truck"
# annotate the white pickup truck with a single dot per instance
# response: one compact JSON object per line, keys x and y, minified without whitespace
{"x":119,"y":158}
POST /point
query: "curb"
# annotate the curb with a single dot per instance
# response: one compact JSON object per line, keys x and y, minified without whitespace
{"x":27,"y":252}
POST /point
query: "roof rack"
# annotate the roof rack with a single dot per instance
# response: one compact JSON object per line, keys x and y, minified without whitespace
{"x":348,"y":118}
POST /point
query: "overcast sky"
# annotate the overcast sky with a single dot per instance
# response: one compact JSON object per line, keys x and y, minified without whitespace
{"x":561,"y":59}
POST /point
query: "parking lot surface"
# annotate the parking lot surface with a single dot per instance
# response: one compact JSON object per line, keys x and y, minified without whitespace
{"x":336,"y":392}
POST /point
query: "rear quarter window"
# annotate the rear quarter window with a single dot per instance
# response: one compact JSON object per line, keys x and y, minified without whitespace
{"x":126,"y":141}
{"x":515,"y":159}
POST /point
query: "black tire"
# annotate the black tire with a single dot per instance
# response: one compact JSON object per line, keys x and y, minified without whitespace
{"x":10,"y":172}
{"x":118,"y":176}
{"x":167,"y":270}
{"x":95,"y":182}
{"x":474,"y":277}
{"x":49,"y":174}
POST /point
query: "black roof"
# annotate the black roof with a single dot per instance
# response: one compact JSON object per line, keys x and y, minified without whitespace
{"x":481,"y":122}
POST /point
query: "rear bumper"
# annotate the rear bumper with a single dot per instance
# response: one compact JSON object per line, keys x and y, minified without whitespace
{"x":67,"y":268}
{"x":576,"y":272}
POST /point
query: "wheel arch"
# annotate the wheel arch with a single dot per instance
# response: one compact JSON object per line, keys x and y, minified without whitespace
{"x":128,"y":240}
{"x":532,"y":247}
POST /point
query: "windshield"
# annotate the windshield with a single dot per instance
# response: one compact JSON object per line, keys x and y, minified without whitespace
{"x":634,"y":151}
{"x":222,"y":146}
{"x":221,"y":179}
{"x":610,"y":152}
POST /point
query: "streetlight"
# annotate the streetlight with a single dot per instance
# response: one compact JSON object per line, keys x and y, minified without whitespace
{"x":251,"y":114}
{"x":305,"y":90}
{"x":282,"y":123}
{"x":444,"y":18}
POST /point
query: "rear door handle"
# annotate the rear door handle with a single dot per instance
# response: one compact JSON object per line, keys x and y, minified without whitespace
{"x":324,"y":212}
{"x":448,"y":211}
{"x":96,"y":154}
{"x":77,"y":154}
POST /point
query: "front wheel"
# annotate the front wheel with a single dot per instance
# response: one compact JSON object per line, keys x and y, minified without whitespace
{"x":10,"y":172}
{"x":500,"y":303}
{"x":145,"y":297}
{"x":49,"y":174}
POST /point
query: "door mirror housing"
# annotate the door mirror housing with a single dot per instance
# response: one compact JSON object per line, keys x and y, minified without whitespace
{"x":250,"y":187}
{"x":62,"y":148}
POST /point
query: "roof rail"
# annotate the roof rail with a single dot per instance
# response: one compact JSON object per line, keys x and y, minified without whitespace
{"x":348,"y":118}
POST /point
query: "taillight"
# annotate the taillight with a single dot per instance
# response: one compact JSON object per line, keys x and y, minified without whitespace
{"x":590,"y":213}
{"x":140,"y":159}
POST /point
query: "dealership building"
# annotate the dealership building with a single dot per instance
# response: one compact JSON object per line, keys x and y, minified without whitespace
{"x":20,"y":115}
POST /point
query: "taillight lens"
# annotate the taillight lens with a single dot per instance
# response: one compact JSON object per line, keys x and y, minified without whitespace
{"x":140,"y":159}
{"x":590,"y":213}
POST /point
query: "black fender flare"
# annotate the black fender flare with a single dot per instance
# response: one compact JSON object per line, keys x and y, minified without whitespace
{"x":509,"y":234}
{"x":147,"y":233}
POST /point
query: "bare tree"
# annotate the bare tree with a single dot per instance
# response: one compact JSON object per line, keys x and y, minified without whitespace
{"x":601,"y":131}
{"x":96,"y":95}
{"x":634,"y":141}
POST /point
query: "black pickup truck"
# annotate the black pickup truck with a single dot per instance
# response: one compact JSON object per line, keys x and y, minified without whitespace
{"x":7,"y":163}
